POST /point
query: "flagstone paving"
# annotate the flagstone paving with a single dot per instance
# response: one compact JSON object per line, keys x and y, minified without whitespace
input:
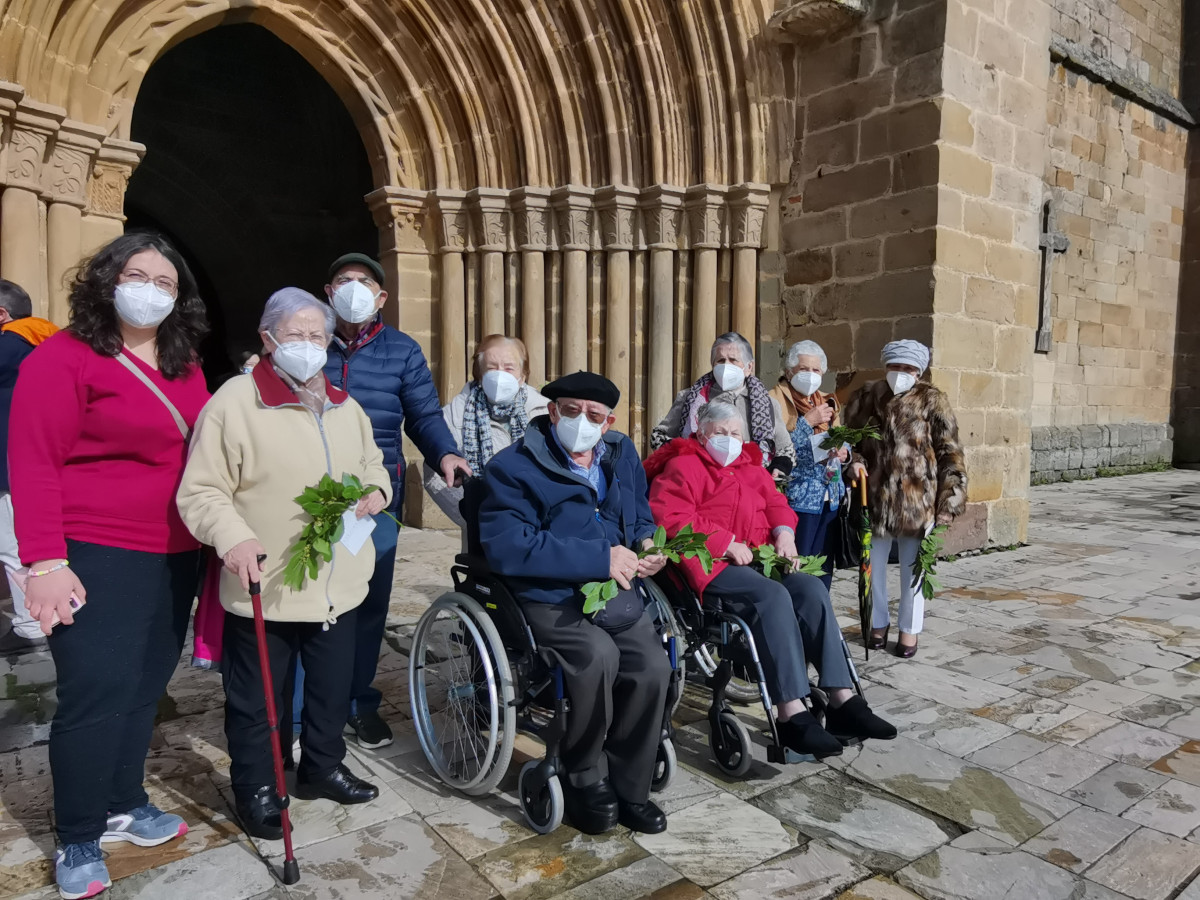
{"x":1049,"y":749}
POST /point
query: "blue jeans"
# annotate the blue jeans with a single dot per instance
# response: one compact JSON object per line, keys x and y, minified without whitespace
{"x":371,"y":619}
{"x":812,"y":537}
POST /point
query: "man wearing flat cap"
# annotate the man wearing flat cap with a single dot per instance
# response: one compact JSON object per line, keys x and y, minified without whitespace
{"x":565,"y":505}
{"x":385,"y":371}
{"x":918,"y":478}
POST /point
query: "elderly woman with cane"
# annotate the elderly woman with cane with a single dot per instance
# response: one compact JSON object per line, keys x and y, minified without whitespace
{"x":262,"y":440}
{"x":918,"y":478}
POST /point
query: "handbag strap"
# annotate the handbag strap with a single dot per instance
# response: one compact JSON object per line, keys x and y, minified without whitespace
{"x":141,"y":376}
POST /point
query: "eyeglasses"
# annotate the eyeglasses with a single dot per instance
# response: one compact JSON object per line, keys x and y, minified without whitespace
{"x":595,"y":416}
{"x":366,"y":280}
{"x":137,"y":276}
{"x":320,"y":338}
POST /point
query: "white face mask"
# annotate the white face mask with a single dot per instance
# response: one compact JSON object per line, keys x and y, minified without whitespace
{"x":143,"y":305}
{"x":300,"y":359}
{"x":724,"y":448}
{"x":900,"y":382}
{"x":729,"y":377}
{"x":500,"y":387}
{"x":579,"y":434}
{"x":354,"y":302}
{"x":806,"y":383}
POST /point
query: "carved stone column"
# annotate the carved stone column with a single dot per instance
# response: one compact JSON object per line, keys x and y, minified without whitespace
{"x":490,"y":211}
{"x":399,"y":214}
{"x":104,"y":214}
{"x":450,"y":210}
{"x":617,"y":205}
{"x":573,"y":224}
{"x":705,"y":205}
{"x":65,"y":182}
{"x":26,"y":151}
{"x":531,"y":211}
{"x":661,"y":207}
{"x":747,"y":212}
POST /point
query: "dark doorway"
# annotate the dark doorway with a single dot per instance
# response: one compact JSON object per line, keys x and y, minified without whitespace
{"x":254,"y":168}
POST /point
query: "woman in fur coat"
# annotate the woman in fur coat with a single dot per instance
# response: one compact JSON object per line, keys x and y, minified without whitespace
{"x":917,"y":476}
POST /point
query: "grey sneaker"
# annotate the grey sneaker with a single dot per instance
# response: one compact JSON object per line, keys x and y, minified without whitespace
{"x":80,"y":871}
{"x":146,"y":826}
{"x":370,"y":730}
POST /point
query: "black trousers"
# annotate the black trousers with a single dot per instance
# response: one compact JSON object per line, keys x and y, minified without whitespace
{"x":113,"y":665}
{"x":793,"y":624}
{"x":617,"y":685}
{"x":328,"y":659}
{"x":814,"y":538}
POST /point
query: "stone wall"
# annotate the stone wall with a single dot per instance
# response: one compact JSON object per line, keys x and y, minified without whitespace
{"x":1140,"y":36}
{"x":1061,"y":453}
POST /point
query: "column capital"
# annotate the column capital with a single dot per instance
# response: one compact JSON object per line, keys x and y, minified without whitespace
{"x":27,"y":149}
{"x":65,"y":176}
{"x":707,"y":220}
{"x":532,"y":218}
{"x":661,"y":214}
{"x":573,"y":206}
{"x":10,"y":95}
{"x":454,"y":226}
{"x":399,"y":212}
{"x":617,"y":204}
{"x":490,"y":217}
{"x":747,"y":213}
{"x":115,"y":162}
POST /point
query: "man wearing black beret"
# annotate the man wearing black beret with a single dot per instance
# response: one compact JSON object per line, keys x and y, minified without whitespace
{"x":563,"y":506}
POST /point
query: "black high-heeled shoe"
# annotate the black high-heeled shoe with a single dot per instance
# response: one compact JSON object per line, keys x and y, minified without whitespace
{"x":879,"y":641}
{"x":906,"y":651}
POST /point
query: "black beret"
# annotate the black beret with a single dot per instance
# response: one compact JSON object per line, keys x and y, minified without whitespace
{"x":584,"y":386}
{"x":356,"y":259}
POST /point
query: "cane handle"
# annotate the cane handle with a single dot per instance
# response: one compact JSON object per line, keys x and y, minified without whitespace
{"x":862,"y":488}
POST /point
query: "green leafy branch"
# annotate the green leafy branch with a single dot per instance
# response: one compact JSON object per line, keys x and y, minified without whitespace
{"x":684,"y":545}
{"x":924,"y":569}
{"x":844,"y":434}
{"x":775,"y":566}
{"x":326,"y":503}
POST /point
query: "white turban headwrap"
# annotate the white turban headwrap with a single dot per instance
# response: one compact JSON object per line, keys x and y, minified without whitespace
{"x":906,"y":353}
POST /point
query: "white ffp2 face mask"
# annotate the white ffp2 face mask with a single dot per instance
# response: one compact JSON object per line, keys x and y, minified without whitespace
{"x":806,"y":383}
{"x":900,"y":382}
{"x":729,"y":377}
{"x":579,"y":434}
{"x":300,"y":359}
{"x":354,"y":302}
{"x":142,"y":305}
{"x":724,"y":448}
{"x":500,"y":387}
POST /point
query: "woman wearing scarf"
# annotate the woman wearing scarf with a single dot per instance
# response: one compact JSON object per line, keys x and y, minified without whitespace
{"x":817,"y":483}
{"x":918,"y":478}
{"x":490,"y":413}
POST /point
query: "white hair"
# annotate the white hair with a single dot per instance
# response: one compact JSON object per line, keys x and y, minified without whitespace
{"x":806,"y":348}
{"x":286,"y":302}
{"x":732,"y":337}
{"x":715,"y":412}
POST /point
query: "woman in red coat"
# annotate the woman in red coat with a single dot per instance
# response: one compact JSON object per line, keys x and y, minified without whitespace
{"x":716,"y":483}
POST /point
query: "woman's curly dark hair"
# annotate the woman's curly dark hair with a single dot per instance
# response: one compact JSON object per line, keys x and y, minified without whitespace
{"x":94,"y":315}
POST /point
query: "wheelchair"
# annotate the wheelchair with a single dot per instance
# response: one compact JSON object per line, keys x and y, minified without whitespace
{"x":476,"y":678}
{"x":724,"y":649}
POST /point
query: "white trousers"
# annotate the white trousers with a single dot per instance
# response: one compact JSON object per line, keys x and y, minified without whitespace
{"x":23,"y":624}
{"x":912,"y":606}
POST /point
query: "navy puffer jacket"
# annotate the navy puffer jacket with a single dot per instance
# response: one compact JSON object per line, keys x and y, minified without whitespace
{"x":388,"y":375}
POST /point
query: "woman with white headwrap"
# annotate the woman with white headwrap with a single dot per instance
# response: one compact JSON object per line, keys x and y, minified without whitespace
{"x":918,"y":478}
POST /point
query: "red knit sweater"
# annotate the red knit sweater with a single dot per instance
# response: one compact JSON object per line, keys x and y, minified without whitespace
{"x":93,"y":455}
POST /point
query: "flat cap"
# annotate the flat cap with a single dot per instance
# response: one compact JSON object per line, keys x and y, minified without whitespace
{"x":584,"y":386}
{"x":356,"y":259}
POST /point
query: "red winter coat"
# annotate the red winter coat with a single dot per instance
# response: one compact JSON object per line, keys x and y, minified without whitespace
{"x":738,"y":502}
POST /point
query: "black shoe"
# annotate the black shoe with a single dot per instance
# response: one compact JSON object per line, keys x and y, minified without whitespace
{"x":341,"y":786}
{"x":370,"y":729}
{"x":12,"y":642}
{"x":805,"y":735}
{"x":644,"y":817}
{"x":592,"y":808}
{"x":854,"y":719}
{"x":259,"y":814}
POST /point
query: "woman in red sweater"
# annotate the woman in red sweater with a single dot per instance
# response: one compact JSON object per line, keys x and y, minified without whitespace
{"x":96,"y":453}
{"x":716,"y":483}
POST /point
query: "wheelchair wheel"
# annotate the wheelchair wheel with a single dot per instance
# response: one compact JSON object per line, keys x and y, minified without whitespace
{"x":667,"y":625}
{"x":665,"y":766}
{"x":708,"y":657}
{"x":818,"y":702}
{"x":541,"y":800}
{"x":461,"y":691}
{"x":736,"y":757}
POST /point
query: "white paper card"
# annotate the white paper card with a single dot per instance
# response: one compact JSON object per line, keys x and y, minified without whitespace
{"x":355,"y":531}
{"x":819,"y":455}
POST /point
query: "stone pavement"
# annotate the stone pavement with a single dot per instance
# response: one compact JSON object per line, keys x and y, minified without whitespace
{"x":1049,"y":749}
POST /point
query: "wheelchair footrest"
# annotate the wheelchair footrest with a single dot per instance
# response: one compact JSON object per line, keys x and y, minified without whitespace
{"x":778,"y":754}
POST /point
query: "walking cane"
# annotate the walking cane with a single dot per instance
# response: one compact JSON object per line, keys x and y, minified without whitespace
{"x":291,"y":870}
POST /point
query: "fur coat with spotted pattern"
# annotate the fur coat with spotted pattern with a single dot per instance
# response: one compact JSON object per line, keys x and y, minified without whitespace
{"x":915,"y":471}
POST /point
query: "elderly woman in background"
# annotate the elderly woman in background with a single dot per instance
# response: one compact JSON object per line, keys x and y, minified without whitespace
{"x":260,"y":442}
{"x":918,"y":478}
{"x":731,"y":381}
{"x":490,"y":413}
{"x":817,"y":484}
